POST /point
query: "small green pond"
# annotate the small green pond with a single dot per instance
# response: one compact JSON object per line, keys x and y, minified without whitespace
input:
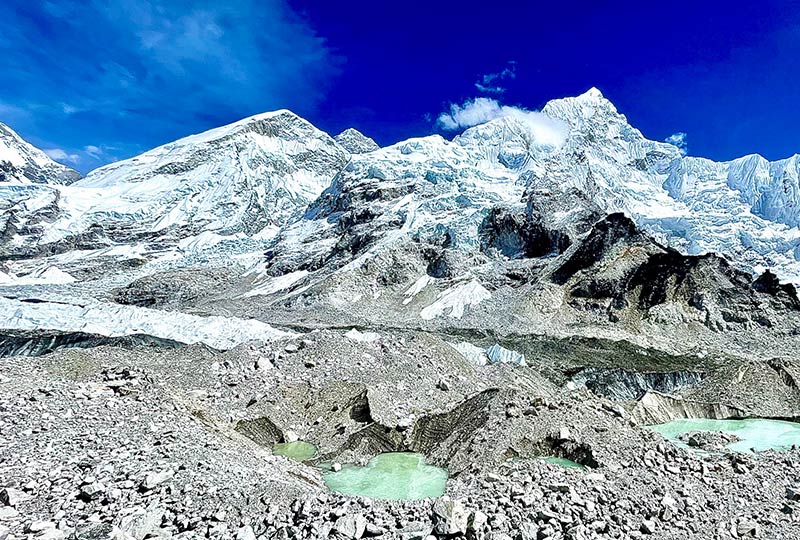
{"x":562,"y":462}
{"x":297,"y":450}
{"x":398,"y":476}
{"x":755,"y":433}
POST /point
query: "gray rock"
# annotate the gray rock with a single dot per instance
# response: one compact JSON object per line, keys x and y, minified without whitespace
{"x":748,"y":528}
{"x":143,"y":521}
{"x":476,"y":524}
{"x":12,"y":497}
{"x":351,"y":525}
{"x":94,"y":531}
{"x":648,"y":526}
{"x":246,"y":533}
{"x":449,"y":517}
{"x":153,"y":480}
{"x":7,"y":513}
{"x":416,"y":530}
{"x":39,"y":526}
{"x":93,"y":491}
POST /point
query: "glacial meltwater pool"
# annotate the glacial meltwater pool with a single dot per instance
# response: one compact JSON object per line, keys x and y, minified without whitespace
{"x":396,"y":476}
{"x":755,"y":433}
{"x":297,"y":450}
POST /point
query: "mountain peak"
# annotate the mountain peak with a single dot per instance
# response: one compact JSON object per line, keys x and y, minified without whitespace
{"x":22,"y":162}
{"x":356,"y":142}
{"x":581,"y":107}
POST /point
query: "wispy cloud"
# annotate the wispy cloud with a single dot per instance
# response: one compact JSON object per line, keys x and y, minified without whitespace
{"x":62,"y":156}
{"x":679,"y":140}
{"x":142,"y":72}
{"x":93,"y":151}
{"x":545,"y":130}
{"x":490,"y":83}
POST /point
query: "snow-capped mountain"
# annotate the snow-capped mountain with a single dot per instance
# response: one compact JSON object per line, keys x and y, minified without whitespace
{"x":577,"y":160}
{"x":21,"y":162}
{"x":356,"y":142}
{"x":555,"y":172}
{"x":242,"y":180}
{"x":426,"y":231}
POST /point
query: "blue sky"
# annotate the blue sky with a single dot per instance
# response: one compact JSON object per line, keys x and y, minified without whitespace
{"x":93,"y":81}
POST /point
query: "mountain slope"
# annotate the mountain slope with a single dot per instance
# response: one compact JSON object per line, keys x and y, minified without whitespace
{"x":356,"y":142}
{"x":241,"y":180}
{"x":21,"y":162}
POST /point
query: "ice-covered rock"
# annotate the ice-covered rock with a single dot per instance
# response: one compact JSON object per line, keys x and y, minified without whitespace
{"x":249,"y":177}
{"x":356,"y":142}
{"x":23,"y":163}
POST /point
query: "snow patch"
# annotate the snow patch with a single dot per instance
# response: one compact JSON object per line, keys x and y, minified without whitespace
{"x":416,"y":288}
{"x":114,"y":320}
{"x":280,"y":283}
{"x":455,"y":299}
{"x":364,"y":337}
{"x":51,"y":275}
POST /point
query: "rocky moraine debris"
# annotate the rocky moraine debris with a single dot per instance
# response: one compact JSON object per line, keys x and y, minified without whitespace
{"x":113,"y":443}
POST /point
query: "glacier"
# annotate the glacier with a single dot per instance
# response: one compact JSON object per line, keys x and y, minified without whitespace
{"x":114,"y":320}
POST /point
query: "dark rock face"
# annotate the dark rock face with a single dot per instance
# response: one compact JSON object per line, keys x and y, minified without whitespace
{"x":261,"y":431}
{"x":41,"y":342}
{"x":769,"y":283}
{"x":617,"y":267}
{"x":605,"y":234}
{"x":518,"y":236}
{"x":620,"y":384}
{"x":441,"y":436}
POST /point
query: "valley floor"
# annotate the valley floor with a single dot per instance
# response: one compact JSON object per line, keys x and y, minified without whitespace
{"x":145,"y":442}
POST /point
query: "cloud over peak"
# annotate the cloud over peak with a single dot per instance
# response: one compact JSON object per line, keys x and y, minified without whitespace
{"x":546,"y":131}
{"x":62,"y":156}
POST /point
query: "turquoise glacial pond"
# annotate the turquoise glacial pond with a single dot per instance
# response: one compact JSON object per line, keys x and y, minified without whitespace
{"x":297,"y":450}
{"x":755,"y":433}
{"x":398,"y":476}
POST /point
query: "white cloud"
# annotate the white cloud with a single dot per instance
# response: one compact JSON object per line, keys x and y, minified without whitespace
{"x":94,"y":151}
{"x":679,"y":140}
{"x":58,"y":154}
{"x":68,"y":109}
{"x":489,"y":83}
{"x":471,"y":113}
{"x":546,"y":131}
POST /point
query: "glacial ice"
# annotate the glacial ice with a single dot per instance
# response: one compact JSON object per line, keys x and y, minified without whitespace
{"x":111,"y":320}
{"x":456,"y":299}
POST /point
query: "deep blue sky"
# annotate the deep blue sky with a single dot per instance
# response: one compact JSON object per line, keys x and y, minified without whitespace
{"x":96,"y":80}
